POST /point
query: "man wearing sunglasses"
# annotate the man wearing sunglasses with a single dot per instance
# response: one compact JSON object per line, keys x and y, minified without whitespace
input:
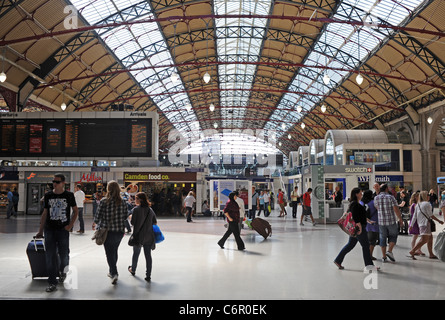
{"x":55,"y":224}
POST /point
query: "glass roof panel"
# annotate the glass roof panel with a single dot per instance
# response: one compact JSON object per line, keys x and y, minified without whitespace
{"x":238,"y":46}
{"x":344,"y":38}
{"x":128,"y":41}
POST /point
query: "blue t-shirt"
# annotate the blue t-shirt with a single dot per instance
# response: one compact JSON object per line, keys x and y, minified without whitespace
{"x":374,"y":216}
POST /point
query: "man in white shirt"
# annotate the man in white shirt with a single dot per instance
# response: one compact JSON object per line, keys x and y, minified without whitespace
{"x":79,"y":195}
{"x":188,"y":204}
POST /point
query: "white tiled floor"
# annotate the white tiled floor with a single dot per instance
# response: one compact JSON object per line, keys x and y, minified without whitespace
{"x":295,"y":263}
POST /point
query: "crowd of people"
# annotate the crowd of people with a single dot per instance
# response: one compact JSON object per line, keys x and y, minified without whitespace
{"x":377,"y":215}
{"x":379,"y":220}
{"x":61,"y":210}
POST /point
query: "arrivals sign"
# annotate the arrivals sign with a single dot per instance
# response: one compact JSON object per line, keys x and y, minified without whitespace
{"x":160,"y":176}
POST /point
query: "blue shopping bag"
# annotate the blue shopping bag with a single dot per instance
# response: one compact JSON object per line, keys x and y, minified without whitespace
{"x":159,"y":237}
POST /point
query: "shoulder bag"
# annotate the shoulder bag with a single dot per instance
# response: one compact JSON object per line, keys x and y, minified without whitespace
{"x":433,"y":225}
{"x":347,"y":224}
{"x":100,"y":236}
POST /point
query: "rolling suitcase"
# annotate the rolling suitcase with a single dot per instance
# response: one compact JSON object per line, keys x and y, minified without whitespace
{"x":262,"y":226}
{"x":36,"y":256}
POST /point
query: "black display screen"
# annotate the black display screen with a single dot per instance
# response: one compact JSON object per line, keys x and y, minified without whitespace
{"x":77,"y":137}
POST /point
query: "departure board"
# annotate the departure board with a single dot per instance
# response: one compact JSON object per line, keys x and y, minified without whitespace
{"x":8,"y":136}
{"x":71,"y":136}
{"x":74,"y":138}
{"x":53,"y":136}
{"x":35,"y":138}
{"x":138,"y":136}
{"x":21,"y":137}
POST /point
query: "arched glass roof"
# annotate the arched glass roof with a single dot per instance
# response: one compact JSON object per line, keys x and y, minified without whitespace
{"x":273,"y":65}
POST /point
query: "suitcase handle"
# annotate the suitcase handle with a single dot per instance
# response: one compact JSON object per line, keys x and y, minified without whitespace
{"x":43,"y":242}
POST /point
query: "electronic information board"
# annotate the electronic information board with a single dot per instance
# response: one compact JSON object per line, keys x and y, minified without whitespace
{"x":47,"y":135}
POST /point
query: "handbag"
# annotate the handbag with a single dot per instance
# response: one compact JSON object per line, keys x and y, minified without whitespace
{"x":159,"y":237}
{"x":347,"y":224}
{"x":134,"y":238}
{"x":439,"y":246}
{"x":100,"y":236}
{"x":432,"y":224}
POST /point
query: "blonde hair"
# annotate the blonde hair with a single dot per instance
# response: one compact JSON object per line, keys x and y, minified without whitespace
{"x":414,"y":198}
{"x":423,"y":196}
{"x":114,"y":192}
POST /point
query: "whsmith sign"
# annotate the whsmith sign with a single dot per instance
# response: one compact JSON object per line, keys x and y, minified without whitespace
{"x":160,"y":176}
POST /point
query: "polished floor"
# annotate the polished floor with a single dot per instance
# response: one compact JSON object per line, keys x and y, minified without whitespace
{"x":295,"y":263}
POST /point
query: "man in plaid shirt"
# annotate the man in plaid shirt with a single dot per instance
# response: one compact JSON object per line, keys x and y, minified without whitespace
{"x":388,"y":213}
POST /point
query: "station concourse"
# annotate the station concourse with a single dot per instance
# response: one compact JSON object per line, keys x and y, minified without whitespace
{"x":268,"y":99}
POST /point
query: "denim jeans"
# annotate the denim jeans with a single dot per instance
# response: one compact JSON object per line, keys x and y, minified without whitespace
{"x":111,"y":247}
{"x":57,"y":243}
{"x":80,"y":217}
{"x":189,"y":213}
{"x":388,"y":234}
{"x":10,"y":211}
{"x":148,"y":260}
{"x":364,"y":242}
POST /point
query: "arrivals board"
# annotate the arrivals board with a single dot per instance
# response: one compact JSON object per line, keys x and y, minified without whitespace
{"x":90,"y":137}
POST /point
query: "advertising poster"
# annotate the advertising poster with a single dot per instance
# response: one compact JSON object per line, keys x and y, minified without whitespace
{"x":244,"y":188}
{"x":224,"y":189}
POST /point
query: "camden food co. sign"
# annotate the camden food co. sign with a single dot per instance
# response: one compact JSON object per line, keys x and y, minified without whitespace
{"x":160,"y":176}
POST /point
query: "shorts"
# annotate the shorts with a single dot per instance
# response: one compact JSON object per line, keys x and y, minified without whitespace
{"x":425,"y":230}
{"x":373,"y":238}
{"x":307,"y":211}
{"x":389,"y":233}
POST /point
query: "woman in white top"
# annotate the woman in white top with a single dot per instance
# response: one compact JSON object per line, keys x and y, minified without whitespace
{"x":423,"y":213}
{"x":188,"y":204}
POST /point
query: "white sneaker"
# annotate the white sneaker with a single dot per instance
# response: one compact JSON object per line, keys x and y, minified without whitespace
{"x":390,"y":256}
{"x":113,"y":278}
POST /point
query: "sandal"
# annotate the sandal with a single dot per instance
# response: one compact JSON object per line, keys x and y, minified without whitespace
{"x":131,"y":271}
{"x":411,"y":256}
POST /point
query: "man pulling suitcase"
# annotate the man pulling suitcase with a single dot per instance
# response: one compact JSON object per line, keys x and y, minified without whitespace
{"x":55,"y":224}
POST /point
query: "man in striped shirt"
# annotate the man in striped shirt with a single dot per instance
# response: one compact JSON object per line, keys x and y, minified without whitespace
{"x":388,"y":213}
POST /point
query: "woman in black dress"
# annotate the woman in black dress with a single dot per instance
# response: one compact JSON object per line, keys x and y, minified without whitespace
{"x":231,"y":211}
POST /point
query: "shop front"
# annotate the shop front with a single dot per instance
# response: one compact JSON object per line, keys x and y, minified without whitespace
{"x":36,"y":184}
{"x":9,"y":179}
{"x":166,"y":190}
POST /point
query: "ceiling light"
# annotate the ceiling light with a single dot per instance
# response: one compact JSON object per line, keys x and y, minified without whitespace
{"x":323,"y":108}
{"x":289,"y":136}
{"x":174,"y":77}
{"x":2,"y":77}
{"x":359,"y":79}
{"x":188,"y":107}
{"x":279,"y":143}
{"x":206,"y":77}
{"x":215,"y":125}
{"x":430,"y":120}
{"x":283,"y":126}
{"x":303,"y":125}
{"x":299,"y":108}
{"x":63,"y":106}
{"x":326,"y":79}
{"x":212,"y":107}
